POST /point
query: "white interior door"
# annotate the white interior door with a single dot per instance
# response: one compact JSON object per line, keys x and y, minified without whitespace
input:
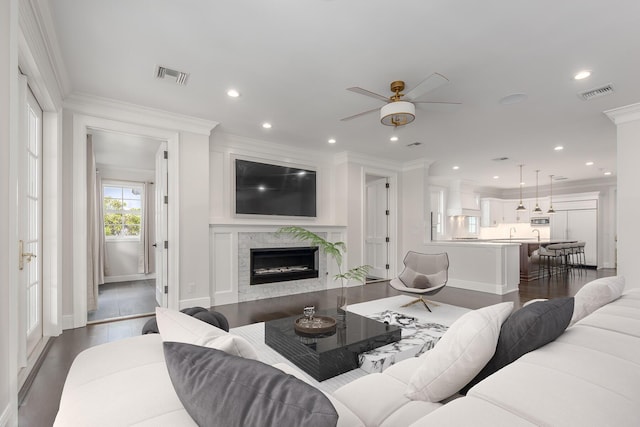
{"x":377,"y":228}
{"x":161,"y":221}
{"x":30,"y":223}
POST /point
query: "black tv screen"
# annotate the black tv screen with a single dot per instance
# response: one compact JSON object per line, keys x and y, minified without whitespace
{"x":265,"y":189}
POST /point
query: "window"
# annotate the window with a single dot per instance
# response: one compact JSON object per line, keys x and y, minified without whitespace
{"x":472,"y":224}
{"x":122,"y":211}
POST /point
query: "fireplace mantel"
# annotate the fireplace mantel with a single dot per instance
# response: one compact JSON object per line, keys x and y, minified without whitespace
{"x":230,"y":246}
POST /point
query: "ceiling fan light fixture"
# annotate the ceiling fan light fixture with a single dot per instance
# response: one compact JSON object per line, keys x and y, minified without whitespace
{"x":398,"y":113}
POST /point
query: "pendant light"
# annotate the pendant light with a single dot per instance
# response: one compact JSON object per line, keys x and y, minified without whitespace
{"x":537,"y":209}
{"x":521,"y":206}
{"x":551,"y":210}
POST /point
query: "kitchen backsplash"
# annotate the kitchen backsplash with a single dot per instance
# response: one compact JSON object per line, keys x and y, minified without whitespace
{"x":522,"y":231}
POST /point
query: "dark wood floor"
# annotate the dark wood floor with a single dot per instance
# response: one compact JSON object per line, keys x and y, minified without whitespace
{"x":40,"y":403}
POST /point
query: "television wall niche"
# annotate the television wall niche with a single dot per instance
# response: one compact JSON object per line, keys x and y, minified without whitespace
{"x":275,"y":190}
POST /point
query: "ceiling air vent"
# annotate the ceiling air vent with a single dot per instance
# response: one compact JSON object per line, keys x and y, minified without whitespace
{"x":597,"y":92}
{"x":167,"y":73}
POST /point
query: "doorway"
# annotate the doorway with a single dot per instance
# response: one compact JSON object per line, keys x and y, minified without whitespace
{"x":127,"y":225}
{"x":379,"y":217}
{"x":29,"y":225}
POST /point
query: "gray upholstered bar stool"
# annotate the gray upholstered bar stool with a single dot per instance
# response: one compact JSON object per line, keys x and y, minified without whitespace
{"x":549,"y":257}
{"x":579,"y":257}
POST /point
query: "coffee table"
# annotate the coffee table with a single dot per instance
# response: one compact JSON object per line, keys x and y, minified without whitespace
{"x":324,"y":357}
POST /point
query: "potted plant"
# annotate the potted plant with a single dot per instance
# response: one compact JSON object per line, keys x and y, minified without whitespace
{"x":334,"y":250}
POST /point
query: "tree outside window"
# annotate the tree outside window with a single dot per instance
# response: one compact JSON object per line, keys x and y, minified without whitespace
{"x":122,"y":211}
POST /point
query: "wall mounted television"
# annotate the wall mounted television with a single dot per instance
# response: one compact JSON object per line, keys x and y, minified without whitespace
{"x":275,"y":190}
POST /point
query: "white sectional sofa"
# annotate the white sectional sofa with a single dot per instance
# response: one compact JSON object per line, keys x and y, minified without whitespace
{"x":589,"y":376}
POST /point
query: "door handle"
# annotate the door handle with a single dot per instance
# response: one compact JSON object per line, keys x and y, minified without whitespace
{"x":155,"y":245}
{"x":28,"y":256}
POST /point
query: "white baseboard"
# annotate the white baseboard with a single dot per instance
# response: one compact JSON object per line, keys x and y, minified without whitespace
{"x":67,"y":322}
{"x":195,"y":302}
{"x":128,"y":277}
{"x":7,"y":416}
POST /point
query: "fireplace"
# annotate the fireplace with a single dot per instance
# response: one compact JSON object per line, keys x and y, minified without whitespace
{"x":269,"y":265}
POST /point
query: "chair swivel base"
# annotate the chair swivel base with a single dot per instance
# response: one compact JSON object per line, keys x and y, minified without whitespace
{"x":422,"y":301}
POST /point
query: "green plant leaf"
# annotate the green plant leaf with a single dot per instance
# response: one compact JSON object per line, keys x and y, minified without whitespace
{"x":357,"y":273}
{"x":334,"y":250}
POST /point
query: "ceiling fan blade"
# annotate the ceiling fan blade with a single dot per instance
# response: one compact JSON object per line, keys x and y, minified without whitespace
{"x":368,"y":93}
{"x":433,"y":82}
{"x":355,"y":116}
{"x":444,"y":107}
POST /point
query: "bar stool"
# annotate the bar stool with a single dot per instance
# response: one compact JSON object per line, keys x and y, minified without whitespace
{"x":579,"y":255}
{"x":551,"y":255}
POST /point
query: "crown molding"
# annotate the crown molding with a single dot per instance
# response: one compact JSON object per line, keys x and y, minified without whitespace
{"x":126,"y":112}
{"x":242,"y":145}
{"x":366,"y":160}
{"x":628,"y":113}
{"x":40,"y":56}
{"x":421,"y":163}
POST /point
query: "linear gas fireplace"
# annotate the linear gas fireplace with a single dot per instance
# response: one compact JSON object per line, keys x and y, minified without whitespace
{"x":269,"y":265}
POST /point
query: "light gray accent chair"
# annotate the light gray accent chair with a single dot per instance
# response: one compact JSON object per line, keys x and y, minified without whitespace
{"x":423,"y":274}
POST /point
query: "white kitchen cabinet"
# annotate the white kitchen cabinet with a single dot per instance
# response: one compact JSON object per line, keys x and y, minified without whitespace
{"x":492,"y":212}
{"x":580,"y":225}
{"x":511,"y":215}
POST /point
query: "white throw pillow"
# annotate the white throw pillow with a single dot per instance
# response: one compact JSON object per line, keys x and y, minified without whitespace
{"x":179,"y":327}
{"x":595,"y":294}
{"x":460,"y":354}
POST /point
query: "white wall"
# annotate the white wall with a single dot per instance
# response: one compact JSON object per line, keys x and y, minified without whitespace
{"x":627,"y":120}
{"x":415,"y":207}
{"x":8,"y":132}
{"x":194,"y":220}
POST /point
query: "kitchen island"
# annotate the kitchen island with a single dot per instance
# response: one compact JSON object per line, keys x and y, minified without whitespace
{"x":529,"y":258}
{"x":486,"y":266}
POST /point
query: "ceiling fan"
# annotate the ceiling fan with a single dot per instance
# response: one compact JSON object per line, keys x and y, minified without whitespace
{"x":400,"y":109}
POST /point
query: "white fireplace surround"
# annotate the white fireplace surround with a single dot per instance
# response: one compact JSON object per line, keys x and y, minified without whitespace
{"x":230,"y":258}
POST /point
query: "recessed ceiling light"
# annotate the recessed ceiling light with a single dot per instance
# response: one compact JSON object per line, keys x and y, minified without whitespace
{"x":496,"y":177}
{"x":233,"y":93}
{"x":393,"y":138}
{"x":589,"y":164}
{"x":607,"y":173}
{"x":455,"y":168}
{"x":266,"y":125}
{"x":582,"y":75}
{"x":559,"y":148}
{"x":332,"y":141}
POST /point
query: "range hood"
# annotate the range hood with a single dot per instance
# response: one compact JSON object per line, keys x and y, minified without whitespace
{"x":462,"y":201}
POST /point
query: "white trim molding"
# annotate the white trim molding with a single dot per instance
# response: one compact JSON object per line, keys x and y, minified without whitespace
{"x":143,"y":116}
{"x":628,"y":113}
{"x":81,"y":124}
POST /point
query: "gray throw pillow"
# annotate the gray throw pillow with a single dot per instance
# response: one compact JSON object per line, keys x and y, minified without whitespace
{"x":525,"y":330}
{"x":219,"y":389}
{"x":421,"y":281}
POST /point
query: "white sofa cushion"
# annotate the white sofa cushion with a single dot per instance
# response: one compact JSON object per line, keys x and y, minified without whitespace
{"x":122,"y":383}
{"x":596,"y":294}
{"x":459,"y":355}
{"x":179,"y":327}
{"x":378,"y":399}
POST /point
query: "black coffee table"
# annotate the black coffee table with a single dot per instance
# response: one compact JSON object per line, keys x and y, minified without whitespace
{"x":324,"y":357}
